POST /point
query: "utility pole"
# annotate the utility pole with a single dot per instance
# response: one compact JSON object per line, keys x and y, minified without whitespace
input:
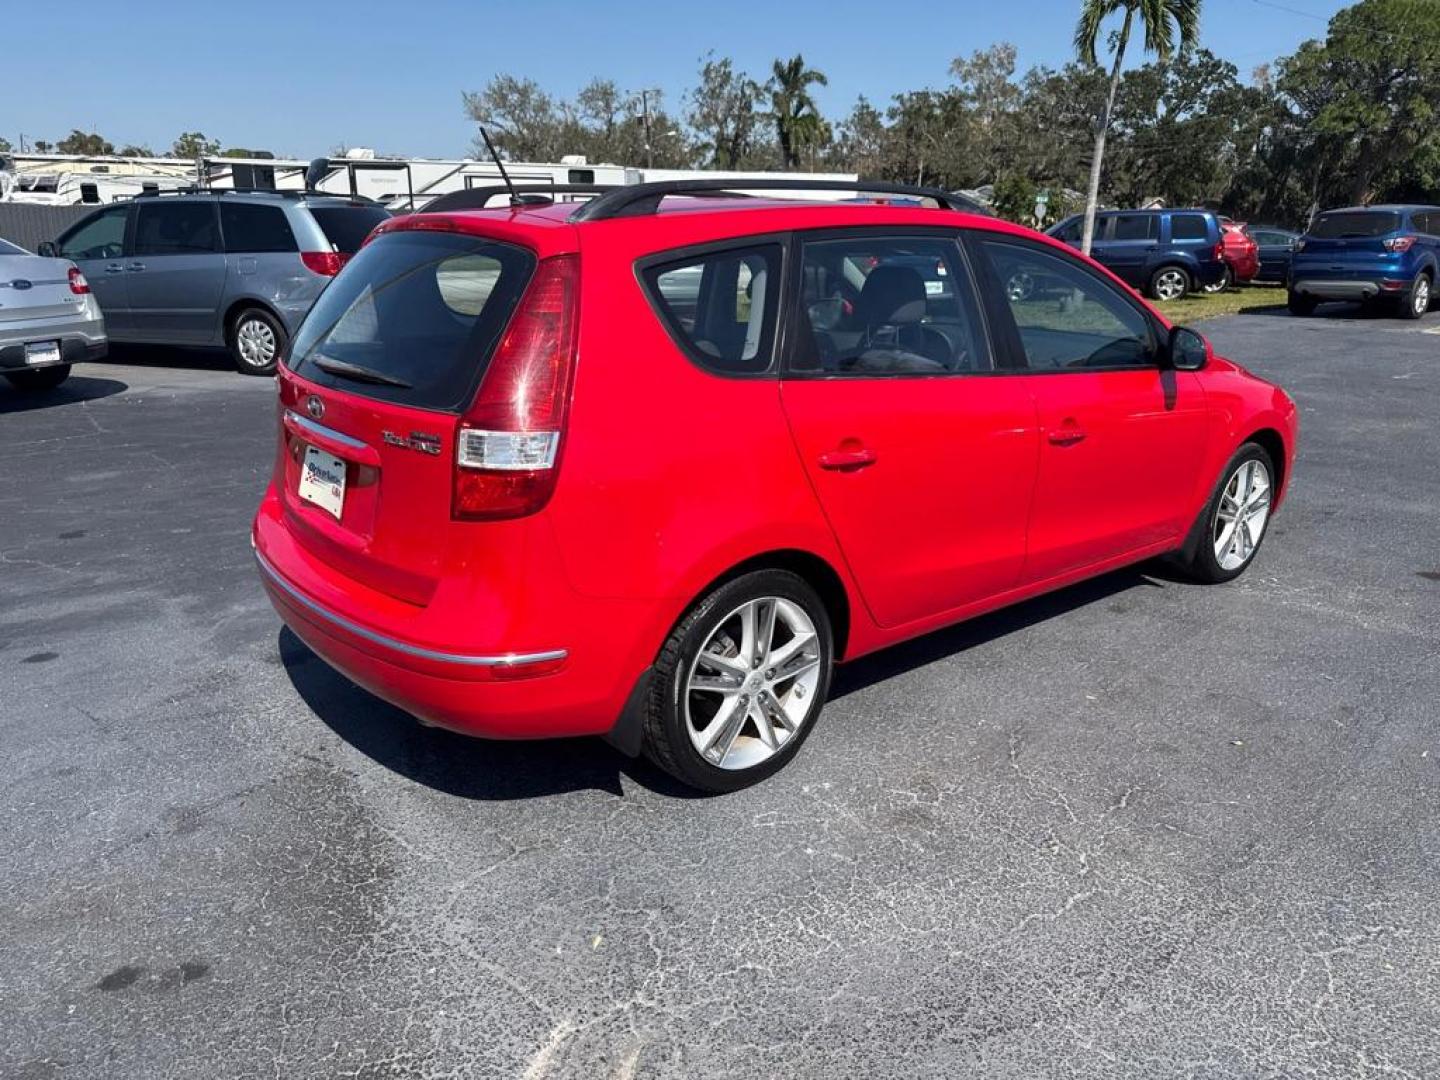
{"x":645,"y":120}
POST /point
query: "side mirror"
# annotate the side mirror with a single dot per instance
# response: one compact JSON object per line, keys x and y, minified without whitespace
{"x":1188,"y":349}
{"x":48,"y":249}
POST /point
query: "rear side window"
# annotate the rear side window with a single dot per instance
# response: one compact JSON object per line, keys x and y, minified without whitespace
{"x":1428,"y":222}
{"x":255,"y":229}
{"x":413,"y":318}
{"x":1188,"y":227}
{"x":347,"y":226}
{"x":176,"y":228}
{"x":1134,"y":227}
{"x":721,"y":306}
{"x":1355,"y":224}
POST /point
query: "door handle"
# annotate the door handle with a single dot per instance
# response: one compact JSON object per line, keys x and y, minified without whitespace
{"x":847,"y":460}
{"x":114,"y":268}
{"x":1068,"y":435}
{"x":137,"y":266}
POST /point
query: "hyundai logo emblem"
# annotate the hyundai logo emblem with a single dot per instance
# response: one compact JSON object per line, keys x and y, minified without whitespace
{"x":315,"y":407}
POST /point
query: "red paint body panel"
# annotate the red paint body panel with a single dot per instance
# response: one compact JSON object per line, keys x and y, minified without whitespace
{"x":1240,"y":251}
{"x":671,"y":476}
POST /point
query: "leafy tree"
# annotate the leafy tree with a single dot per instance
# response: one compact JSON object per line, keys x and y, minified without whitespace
{"x":522,"y":120}
{"x":797,"y":117}
{"x":860,"y":142}
{"x":1014,"y":198}
{"x":43,"y":147}
{"x":1156,"y":18}
{"x":724,"y":112}
{"x":136,"y":150}
{"x":194,"y":144}
{"x":986,"y":86}
{"x":1365,"y":103}
{"x":88,"y":144}
{"x":5,"y":146}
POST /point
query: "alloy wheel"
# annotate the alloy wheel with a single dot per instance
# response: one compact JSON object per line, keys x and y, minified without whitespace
{"x":1420,"y":297}
{"x":256,"y":342}
{"x":1021,"y":286}
{"x":753,"y":684}
{"x":1170,"y":284}
{"x":1242,"y":514}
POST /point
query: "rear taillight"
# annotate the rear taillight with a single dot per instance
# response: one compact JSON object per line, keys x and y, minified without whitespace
{"x":1220,"y":251}
{"x":78,"y":285}
{"x":324,"y":263}
{"x":1399,"y":243}
{"x":1299,"y":245}
{"x":508,"y":442}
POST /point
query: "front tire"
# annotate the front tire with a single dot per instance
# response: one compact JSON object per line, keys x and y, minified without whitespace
{"x":1417,"y":300}
{"x":47,"y":378}
{"x":256,"y":340}
{"x":740,"y":682}
{"x":1170,"y":283}
{"x":1233,"y":525}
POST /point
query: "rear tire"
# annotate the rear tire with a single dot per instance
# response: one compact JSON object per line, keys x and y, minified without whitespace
{"x":40,"y":379}
{"x":1300,"y":304}
{"x":737,"y":715}
{"x":1227,"y":278}
{"x":1170,"y":283}
{"x":1217,"y":551}
{"x":1416,"y":301}
{"x":256,"y":340}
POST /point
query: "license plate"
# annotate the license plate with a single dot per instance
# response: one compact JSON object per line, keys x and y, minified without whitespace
{"x":42,"y":352}
{"x":322,"y":481}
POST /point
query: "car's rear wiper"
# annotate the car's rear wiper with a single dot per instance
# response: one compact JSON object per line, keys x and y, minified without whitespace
{"x":347,"y":370}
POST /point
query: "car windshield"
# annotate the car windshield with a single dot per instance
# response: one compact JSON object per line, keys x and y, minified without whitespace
{"x":1355,"y":224}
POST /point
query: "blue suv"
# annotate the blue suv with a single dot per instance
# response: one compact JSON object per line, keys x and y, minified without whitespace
{"x":1168,"y":253}
{"x":1367,"y":253}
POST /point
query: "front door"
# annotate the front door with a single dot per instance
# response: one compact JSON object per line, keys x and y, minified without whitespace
{"x":176,"y":272}
{"x":97,"y":246}
{"x":1130,"y":245}
{"x":923,"y":458}
{"x":1120,"y":433}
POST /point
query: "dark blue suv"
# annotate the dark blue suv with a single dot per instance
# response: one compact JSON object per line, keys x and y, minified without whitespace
{"x":1168,"y":253}
{"x":1367,"y":253}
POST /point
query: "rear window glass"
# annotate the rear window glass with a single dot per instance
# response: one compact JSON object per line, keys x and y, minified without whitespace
{"x":347,"y":226}
{"x":422,"y":309}
{"x":1355,"y":224}
{"x":255,"y":229}
{"x":1188,"y":227}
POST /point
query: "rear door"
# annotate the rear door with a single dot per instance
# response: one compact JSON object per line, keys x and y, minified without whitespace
{"x":1120,"y":435}
{"x":97,"y":246}
{"x":1131,"y":244}
{"x":376,"y":378}
{"x":260,"y":249}
{"x":921,"y":455}
{"x":175,"y":273}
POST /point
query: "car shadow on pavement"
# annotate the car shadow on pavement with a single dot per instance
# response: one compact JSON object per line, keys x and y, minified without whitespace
{"x":494,"y":770}
{"x":459,"y":765}
{"x":171,"y":356}
{"x":72,"y":391}
{"x":941,"y":644}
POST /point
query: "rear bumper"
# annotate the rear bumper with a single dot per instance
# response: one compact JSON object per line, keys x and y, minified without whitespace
{"x":528,"y":693}
{"x":80,"y":339}
{"x":1353,"y":288}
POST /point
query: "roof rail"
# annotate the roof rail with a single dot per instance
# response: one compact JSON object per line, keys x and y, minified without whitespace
{"x":634,"y":200}
{"x":476,"y":198}
{"x":285,"y":193}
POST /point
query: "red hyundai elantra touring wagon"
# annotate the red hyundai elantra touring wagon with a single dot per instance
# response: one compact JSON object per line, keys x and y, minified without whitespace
{"x":648,"y":465}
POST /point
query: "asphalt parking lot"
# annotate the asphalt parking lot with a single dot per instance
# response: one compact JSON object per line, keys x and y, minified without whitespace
{"x":1139,"y":828}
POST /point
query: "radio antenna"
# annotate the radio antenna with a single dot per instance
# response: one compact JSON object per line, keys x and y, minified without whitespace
{"x":515,"y":199}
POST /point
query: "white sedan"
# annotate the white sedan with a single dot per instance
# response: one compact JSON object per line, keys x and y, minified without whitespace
{"x":48,"y":319}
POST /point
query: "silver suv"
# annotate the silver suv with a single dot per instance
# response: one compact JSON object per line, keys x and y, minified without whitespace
{"x":237,"y":269}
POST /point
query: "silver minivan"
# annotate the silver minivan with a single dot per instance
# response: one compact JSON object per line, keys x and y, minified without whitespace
{"x":237,"y":269}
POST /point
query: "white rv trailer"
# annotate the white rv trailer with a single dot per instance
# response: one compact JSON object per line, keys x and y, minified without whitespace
{"x":69,"y":179}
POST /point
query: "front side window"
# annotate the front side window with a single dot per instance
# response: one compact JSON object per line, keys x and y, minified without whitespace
{"x":255,"y":229}
{"x":102,"y":237}
{"x":1067,"y":318}
{"x":1134,"y":227}
{"x":1188,"y":227}
{"x":176,"y":228}
{"x":721,"y":307}
{"x":1069,"y":233}
{"x":878,"y":305}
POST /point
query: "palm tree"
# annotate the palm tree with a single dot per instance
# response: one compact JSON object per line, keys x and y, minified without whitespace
{"x":1161,"y":19}
{"x":797,"y":117}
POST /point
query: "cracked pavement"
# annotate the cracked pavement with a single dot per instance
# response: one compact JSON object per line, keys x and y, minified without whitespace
{"x":1137,"y":828}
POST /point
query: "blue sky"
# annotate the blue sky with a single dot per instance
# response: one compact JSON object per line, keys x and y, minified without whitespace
{"x":298,"y":78}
